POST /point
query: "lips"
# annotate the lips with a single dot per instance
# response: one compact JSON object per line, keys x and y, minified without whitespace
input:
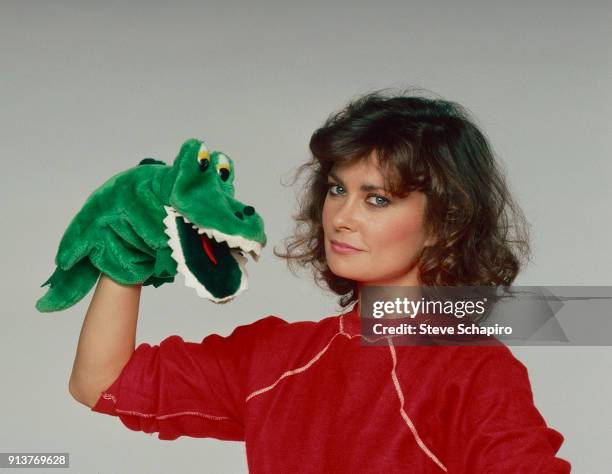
{"x":343,"y":245}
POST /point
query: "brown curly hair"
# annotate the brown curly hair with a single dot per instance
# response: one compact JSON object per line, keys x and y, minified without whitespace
{"x":425,"y":144}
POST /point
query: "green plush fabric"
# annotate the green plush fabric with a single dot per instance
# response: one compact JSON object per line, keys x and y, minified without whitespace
{"x":144,"y":225}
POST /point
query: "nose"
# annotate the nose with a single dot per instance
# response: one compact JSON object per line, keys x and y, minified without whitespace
{"x":248,"y":211}
{"x":344,"y":218}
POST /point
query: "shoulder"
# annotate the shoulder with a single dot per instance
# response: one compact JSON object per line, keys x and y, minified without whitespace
{"x":468,"y":357}
{"x":277,"y":346}
{"x":273,"y":328}
{"x":461,"y":366}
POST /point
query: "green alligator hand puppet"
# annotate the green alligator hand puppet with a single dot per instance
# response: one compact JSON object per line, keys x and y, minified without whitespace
{"x":145,"y":224}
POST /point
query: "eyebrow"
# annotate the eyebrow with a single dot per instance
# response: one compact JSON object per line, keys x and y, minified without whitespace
{"x":364,"y":187}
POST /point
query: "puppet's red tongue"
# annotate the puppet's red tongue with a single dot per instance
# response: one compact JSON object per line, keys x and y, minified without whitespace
{"x":208,"y":248}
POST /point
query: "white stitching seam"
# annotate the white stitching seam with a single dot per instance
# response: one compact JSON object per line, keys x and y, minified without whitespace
{"x":110,"y":396}
{"x":294,"y":371}
{"x":171,"y":415}
{"x":405,"y":415}
{"x":288,"y":373}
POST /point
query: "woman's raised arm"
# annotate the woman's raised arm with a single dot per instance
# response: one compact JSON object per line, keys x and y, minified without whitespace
{"x":107,"y":339}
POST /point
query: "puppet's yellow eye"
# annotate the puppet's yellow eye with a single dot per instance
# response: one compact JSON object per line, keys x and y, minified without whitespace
{"x":203,"y":157}
{"x":223,"y":167}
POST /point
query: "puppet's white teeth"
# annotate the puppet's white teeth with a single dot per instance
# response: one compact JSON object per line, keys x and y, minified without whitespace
{"x":254,"y":248}
{"x":233,"y":241}
{"x":190,"y":280}
{"x":244,"y":254}
{"x":203,"y":231}
{"x":254,"y":255}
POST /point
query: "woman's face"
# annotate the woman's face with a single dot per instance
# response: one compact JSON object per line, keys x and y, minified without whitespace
{"x":387,"y":232}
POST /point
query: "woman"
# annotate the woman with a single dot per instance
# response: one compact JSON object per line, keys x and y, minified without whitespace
{"x":403,"y":190}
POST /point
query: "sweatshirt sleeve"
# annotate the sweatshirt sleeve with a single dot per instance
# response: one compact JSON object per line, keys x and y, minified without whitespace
{"x":499,"y":429}
{"x":180,"y":388}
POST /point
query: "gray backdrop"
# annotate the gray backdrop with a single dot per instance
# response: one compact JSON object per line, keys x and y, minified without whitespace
{"x":88,"y":89}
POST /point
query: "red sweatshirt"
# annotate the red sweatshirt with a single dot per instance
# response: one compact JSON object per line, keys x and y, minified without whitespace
{"x":307,"y":397}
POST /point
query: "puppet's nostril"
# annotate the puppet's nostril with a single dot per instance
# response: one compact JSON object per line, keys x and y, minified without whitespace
{"x":238,"y":215}
{"x":249,"y":210}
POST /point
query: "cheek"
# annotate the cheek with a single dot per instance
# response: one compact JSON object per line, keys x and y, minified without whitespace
{"x":399,"y":232}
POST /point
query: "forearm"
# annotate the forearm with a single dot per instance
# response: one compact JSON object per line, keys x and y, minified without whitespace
{"x":107,"y":339}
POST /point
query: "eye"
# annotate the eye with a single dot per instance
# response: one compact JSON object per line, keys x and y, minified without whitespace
{"x":203,"y":158}
{"x":223,"y":167}
{"x":379,"y":201}
{"x":330,"y":186}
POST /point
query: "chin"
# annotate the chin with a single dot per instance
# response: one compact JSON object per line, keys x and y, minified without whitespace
{"x":344,"y":271}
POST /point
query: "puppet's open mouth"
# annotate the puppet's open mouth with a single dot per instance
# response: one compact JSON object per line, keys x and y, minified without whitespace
{"x":212,"y":262}
{"x":213,"y":242}
{"x":208,"y":250}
